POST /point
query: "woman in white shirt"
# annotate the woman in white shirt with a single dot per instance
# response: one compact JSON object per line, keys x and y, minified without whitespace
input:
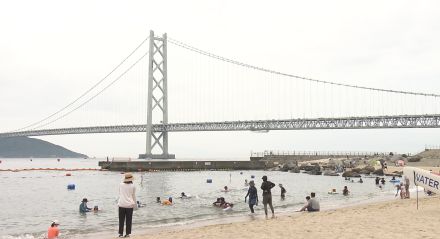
{"x":126,"y":204}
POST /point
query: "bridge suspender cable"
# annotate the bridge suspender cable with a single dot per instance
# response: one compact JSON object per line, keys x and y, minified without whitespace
{"x":191,"y":48}
{"x":87,"y":91}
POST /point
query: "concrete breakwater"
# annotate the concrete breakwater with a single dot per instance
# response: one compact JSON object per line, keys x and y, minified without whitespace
{"x":165,"y":165}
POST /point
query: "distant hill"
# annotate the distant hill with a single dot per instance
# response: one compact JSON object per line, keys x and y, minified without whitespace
{"x":24,"y":147}
{"x":429,"y":158}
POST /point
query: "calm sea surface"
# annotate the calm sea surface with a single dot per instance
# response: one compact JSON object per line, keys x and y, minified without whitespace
{"x":31,"y":199}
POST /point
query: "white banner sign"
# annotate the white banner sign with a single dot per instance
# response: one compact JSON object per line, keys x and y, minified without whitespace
{"x":423,"y":178}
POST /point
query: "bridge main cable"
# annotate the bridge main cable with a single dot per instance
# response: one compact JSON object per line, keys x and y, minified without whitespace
{"x":83,"y":94}
{"x":214,"y":56}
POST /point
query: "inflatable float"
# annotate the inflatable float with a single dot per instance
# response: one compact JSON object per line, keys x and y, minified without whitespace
{"x":227,"y":209}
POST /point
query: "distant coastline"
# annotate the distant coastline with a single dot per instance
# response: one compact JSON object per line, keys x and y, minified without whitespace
{"x":24,"y":147}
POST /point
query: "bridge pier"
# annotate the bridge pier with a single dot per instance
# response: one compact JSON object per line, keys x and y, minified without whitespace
{"x":157,"y":156}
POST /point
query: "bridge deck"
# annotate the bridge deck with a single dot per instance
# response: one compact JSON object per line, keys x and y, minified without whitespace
{"x":375,"y":122}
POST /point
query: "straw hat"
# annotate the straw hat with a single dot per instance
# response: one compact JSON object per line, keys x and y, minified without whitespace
{"x":128,"y":177}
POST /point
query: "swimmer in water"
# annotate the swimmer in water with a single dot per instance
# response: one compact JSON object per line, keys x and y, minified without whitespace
{"x":158,"y":199}
{"x":168,"y":201}
{"x":218,"y":202}
{"x":183,"y":195}
{"x":225,"y":189}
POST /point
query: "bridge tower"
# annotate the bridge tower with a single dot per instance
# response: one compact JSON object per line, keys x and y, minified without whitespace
{"x":157,"y":102}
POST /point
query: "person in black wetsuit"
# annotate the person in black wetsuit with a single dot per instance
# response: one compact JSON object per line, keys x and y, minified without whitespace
{"x":253,"y":196}
{"x":266,"y":186}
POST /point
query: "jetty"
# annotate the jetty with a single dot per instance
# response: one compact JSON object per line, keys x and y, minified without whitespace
{"x":168,"y":165}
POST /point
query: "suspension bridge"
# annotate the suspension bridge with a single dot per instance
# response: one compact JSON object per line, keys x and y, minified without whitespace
{"x":233,"y":95}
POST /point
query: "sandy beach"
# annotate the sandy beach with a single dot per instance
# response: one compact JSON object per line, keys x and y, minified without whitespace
{"x":391,"y":219}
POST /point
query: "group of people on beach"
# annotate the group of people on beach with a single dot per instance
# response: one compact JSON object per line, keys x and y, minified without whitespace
{"x":266,"y":186}
{"x":403,"y":188}
{"x":127,"y":203}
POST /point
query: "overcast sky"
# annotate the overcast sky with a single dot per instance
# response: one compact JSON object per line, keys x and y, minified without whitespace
{"x":52,"y":51}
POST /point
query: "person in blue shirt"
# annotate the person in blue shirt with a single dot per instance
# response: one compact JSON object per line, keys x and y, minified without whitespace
{"x":253,"y":196}
{"x":83,"y":206}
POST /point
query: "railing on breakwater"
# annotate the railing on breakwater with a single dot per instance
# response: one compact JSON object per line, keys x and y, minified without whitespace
{"x":316,"y":153}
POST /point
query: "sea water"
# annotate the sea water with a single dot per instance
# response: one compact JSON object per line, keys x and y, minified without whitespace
{"x":30,"y":200}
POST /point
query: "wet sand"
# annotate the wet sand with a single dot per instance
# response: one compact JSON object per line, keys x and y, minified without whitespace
{"x":391,"y":219}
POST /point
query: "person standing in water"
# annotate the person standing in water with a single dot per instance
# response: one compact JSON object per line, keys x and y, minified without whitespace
{"x":283,"y":191}
{"x":266,"y":186}
{"x":377,"y":180}
{"x":83,"y":206}
{"x":253,"y":196}
{"x":126,"y":204}
{"x":345,"y":191}
{"x":53,"y":231}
